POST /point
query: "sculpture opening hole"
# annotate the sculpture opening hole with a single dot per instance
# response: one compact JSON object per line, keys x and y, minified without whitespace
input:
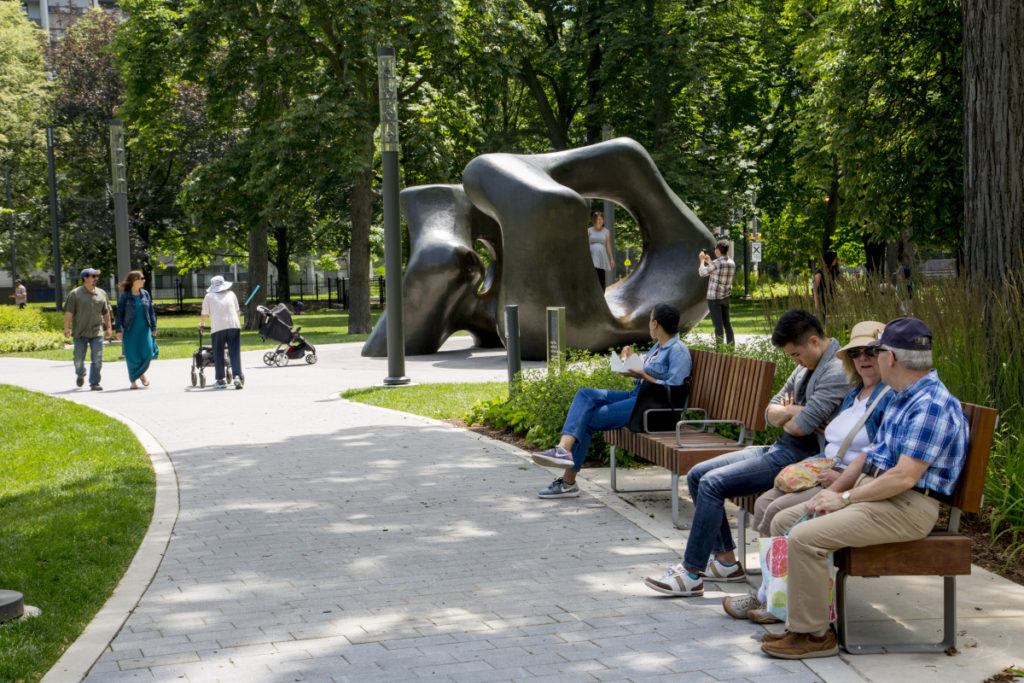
{"x":488,"y":259}
{"x":628,"y":243}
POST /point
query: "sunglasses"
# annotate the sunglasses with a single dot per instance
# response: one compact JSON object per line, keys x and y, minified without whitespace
{"x":869,"y":351}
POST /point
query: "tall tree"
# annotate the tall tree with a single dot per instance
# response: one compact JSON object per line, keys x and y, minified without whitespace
{"x":993,"y":142}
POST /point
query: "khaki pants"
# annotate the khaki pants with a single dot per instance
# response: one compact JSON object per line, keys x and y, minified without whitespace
{"x":771,"y":503}
{"x":907,"y":516}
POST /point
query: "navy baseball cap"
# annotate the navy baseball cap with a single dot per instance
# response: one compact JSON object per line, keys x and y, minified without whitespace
{"x":905,"y":333}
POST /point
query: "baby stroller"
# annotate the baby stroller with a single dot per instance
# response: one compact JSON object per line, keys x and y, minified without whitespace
{"x":277,"y":326}
{"x":202,"y":359}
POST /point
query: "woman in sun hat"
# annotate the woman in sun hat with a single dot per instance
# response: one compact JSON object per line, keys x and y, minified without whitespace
{"x":220,"y":305}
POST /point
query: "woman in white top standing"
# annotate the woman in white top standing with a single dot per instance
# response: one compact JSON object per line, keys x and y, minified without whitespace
{"x":600,"y":247}
{"x":220,"y":306}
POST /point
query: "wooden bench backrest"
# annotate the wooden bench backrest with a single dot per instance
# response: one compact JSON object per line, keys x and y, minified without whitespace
{"x":971,"y":485}
{"x":731,"y":387}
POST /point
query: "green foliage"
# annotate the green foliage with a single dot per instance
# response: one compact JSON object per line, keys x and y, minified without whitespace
{"x":26,"y":330}
{"x":439,"y":401}
{"x":538,"y":408}
{"x":76,"y":491}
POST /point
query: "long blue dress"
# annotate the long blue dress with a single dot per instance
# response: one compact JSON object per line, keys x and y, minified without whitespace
{"x":137,"y":344}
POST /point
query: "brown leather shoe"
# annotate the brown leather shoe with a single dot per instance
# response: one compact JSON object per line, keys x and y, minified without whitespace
{"x":772,"y":637}
{"x":802,"y":646}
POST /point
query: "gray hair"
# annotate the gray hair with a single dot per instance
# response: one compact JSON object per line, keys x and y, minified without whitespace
{"x":914,"y":359}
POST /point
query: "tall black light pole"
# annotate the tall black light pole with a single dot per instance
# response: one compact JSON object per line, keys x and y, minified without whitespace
{"x":58,"y":277}
{"x":388,"y":87}
{"x":609,"y":214}
{"x":119,"y":187}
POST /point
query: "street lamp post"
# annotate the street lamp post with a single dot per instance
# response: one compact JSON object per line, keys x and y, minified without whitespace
{"x":58,"y":277}
{"x":119,"y":188}
{"x":388,"y":88}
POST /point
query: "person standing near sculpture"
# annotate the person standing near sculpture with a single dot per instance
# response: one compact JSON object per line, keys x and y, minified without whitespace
{"x":135,"y":322}
{"x":87,"y":321}
{"x":20,"y":295}
{"x":720,"y":272}
{"x":220,"y":306}
{"x":600,"y":247}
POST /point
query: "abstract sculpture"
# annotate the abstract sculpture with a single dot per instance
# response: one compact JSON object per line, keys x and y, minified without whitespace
{"x":530,"y":212}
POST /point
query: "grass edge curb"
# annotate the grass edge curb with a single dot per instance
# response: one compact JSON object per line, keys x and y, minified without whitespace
{"x":76,"y":662}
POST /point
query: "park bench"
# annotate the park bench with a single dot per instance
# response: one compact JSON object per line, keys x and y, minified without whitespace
{"x":944,"y":552}
{"x":725,"y":389}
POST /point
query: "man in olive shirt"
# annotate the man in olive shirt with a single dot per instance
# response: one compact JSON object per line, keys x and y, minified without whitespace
{"x":87,"y":321}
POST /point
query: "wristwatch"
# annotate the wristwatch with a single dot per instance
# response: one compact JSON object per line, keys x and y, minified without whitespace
{"x":846,"y":497}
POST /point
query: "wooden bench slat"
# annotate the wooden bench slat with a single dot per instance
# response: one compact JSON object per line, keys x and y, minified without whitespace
{"x":939,"y":554}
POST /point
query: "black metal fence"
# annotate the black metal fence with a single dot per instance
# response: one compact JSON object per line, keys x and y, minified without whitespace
{"x":327,"y":289}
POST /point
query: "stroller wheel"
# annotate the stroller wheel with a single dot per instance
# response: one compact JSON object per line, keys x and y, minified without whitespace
{"x":268,"y":358}
{"x":281,"y":360}
{"x":202,"y":381}
{"x":195,"y":377}
{"x":311,"y":358}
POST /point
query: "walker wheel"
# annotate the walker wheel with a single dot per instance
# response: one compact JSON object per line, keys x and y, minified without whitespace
{"x":268,"y":358}
{"x":202,"y":381}
{"x":311,"y":358}
{"x":195,"y":377}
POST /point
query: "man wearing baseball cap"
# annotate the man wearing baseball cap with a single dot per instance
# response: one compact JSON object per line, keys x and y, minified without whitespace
{"x":87,"y":321}
{"x":889,"y":494}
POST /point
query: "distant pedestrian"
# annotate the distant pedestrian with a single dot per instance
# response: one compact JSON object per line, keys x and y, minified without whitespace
{"x":87,"y":321}
{"x":20,"y":295}
{"x":601,"y":248}
{"x":220,"y":306}
{"x":135,"y":322}
{"x":720,"y":272}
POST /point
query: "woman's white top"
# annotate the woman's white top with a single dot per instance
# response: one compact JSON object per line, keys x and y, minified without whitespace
{"x":599,"y":248}
{"x":838,"y":428}
{"x":222,"y":307}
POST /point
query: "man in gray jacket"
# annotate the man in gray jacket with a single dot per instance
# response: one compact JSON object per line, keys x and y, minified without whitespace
{"x":812,"y":396}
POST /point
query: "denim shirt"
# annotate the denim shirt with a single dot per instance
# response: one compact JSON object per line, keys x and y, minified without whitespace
{"x":126,"y":311}
{"x":667,"y":364}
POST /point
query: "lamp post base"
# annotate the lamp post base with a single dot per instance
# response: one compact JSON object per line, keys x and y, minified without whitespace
{"x":12,"y":605}
{"x":396,"y":381}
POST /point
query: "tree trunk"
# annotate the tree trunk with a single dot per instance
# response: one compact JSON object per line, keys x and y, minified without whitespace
{"x":556,"y":136}
{"x":993,"y":146}
{"x":361,"y":211}
{"x":257,"y":274}
{"x":282,"y":257}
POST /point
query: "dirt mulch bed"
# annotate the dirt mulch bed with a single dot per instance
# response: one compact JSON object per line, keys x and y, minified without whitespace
{"x":985,"y":553}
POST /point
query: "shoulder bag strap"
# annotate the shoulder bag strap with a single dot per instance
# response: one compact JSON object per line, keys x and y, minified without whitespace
{"x":845,"y":445}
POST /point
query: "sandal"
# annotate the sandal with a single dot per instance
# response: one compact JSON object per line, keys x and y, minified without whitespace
{"x":134,"y":386}
{"x":145,"y":382}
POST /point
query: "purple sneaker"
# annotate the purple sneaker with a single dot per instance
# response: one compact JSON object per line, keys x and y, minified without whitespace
{"x":553,"y":457}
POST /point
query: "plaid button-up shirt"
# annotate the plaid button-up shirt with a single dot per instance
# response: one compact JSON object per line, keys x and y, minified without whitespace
{"x":925,"y":422}
{"x":722,"y":270}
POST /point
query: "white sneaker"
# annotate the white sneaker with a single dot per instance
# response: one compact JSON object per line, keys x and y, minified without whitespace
{"x":716,"y":571}
{"x":676,"y":581}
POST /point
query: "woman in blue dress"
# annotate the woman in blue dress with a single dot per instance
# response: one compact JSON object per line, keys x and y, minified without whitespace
{"x":135,"y":323}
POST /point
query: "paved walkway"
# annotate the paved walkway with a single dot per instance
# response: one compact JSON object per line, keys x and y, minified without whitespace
{"x":317,"y":539}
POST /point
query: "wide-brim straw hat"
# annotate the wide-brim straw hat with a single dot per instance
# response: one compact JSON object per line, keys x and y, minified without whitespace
{"x":218,"y":284}
{"x":861,"y":335}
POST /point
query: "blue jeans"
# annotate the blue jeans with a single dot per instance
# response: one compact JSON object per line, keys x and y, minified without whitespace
{"x":232,"y":338}
{"x":95,"y":346}
{"x":742,"y":473}
{"x":595,"y":410}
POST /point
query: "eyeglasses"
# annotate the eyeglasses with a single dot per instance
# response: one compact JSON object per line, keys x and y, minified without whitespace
{"x":869,"y":351}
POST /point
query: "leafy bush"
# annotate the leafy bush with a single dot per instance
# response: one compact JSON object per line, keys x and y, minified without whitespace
{"x":539,"y":408}
{"x":26,"y":330}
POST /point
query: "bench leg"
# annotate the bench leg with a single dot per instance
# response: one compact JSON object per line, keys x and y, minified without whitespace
{"x":948,"y":624}
{"x":612,"y":480}
{"x":675,"y":500}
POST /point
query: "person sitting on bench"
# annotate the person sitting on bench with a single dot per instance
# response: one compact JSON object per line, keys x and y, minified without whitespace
{"x":889,"y":494}
{"x":810,"y":397}
{"x":598,"y":410}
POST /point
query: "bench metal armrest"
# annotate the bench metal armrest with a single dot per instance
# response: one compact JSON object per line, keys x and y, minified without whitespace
{"x":704,"y":424}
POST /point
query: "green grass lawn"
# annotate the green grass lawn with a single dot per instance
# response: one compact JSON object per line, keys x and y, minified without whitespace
{"x":178,"y":335}
{"x":439,"y":401}
{"x":76,"y":497}
{"x":747,"y":316}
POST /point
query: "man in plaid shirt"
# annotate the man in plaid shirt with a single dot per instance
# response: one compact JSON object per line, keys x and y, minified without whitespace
{"x":890,"y":493}
{"x":721,"y":272}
